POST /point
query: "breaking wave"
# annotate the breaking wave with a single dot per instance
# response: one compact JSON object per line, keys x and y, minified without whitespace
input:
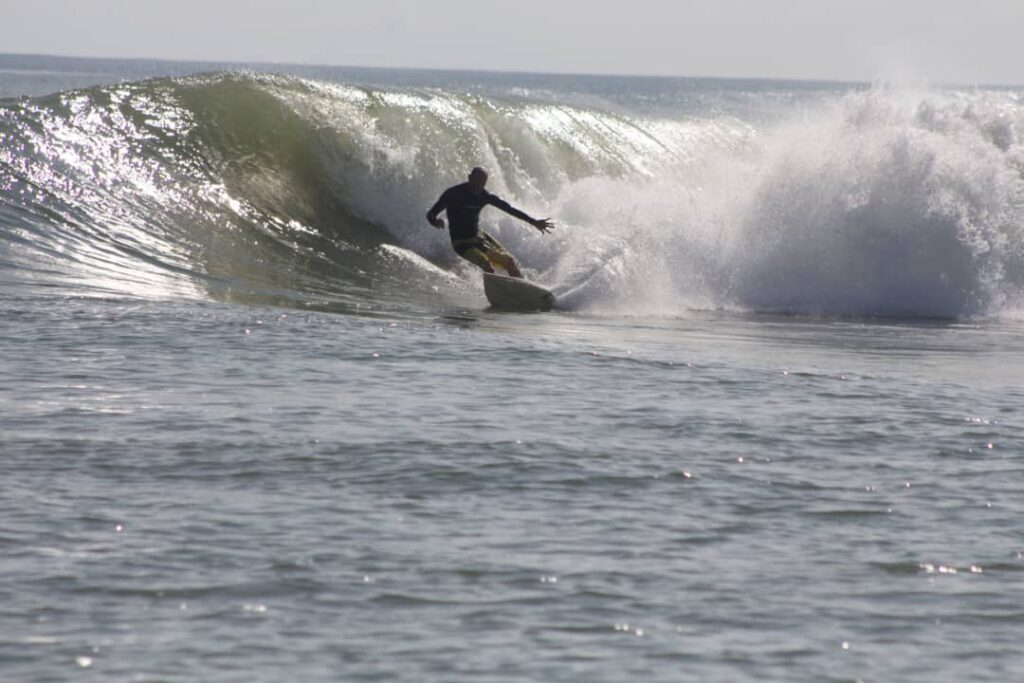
{"x":235,"y":185}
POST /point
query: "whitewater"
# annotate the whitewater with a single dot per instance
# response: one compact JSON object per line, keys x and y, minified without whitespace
{"x":257,"y":421}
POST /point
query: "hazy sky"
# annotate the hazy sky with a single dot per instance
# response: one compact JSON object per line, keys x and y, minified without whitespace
{"x":967,"y":41}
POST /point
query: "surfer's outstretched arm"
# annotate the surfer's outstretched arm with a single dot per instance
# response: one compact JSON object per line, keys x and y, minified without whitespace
{"x":542,"y":224}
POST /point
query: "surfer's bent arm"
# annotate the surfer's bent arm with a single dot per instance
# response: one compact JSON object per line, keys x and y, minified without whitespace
{"x":541,"y":224}
{"x":438,"y":206}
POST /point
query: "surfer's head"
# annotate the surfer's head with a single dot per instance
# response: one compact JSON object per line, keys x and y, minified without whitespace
{"x":477,"y":179}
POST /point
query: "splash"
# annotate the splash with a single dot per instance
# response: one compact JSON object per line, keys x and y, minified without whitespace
{"x":882,"y":203}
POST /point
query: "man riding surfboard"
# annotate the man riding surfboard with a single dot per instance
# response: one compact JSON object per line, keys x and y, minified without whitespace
{"x":463,"y":204}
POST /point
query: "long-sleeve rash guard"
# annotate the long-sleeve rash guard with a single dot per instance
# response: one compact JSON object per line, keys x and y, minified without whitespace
{"x":463,"y":208}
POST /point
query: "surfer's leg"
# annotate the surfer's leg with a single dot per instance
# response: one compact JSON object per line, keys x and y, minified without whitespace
{"x":507,"y":262}
{"x":477,"y":257}
{"x":500,"y":257}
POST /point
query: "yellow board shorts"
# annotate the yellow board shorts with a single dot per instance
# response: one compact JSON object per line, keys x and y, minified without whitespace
{"x":483,"y":250}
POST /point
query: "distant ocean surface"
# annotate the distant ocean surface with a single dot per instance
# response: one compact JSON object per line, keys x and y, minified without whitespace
{"x":258,"y":423}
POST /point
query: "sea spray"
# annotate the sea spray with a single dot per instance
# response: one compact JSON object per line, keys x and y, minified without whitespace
{"x":881,"y":203}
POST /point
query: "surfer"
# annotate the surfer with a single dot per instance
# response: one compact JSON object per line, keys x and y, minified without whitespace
{"x":463,"y":203}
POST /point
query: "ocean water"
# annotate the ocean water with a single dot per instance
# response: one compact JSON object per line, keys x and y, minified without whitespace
{"x":258,"y":423}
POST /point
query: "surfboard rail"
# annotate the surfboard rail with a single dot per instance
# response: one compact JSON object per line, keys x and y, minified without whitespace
{"x":515,"y":294}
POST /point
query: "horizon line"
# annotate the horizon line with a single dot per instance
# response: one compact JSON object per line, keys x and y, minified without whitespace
{"x":519,"y":72}
{"x":422,"y":69}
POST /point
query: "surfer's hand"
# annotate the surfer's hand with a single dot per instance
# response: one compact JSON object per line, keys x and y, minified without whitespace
{"x":438,"y":223}
{"x":544,"y":224}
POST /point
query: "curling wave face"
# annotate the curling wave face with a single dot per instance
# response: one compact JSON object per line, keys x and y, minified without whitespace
{"x":878,"y":202}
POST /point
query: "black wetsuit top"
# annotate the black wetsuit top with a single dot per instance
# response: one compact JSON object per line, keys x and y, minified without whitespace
{"x":463,"y":208}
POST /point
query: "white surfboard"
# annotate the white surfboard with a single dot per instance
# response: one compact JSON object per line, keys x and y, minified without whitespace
{"x":515,"y":294}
